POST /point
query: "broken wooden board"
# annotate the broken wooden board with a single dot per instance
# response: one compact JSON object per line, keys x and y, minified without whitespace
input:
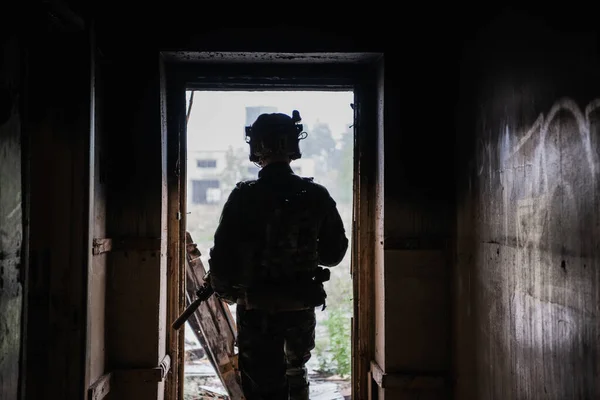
{"x":207,"y":394}
{"x":213,"y":324}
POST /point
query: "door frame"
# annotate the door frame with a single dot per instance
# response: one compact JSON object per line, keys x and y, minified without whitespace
{"x":360,"y":72}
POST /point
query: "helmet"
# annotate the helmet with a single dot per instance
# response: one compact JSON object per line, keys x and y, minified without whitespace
{"x":275,"y":134}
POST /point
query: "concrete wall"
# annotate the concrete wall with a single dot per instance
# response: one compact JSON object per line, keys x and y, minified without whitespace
{"x":528,"y":258}
{"x":12,"y":268}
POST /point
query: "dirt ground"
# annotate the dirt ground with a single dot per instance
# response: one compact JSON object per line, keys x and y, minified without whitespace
{"x":202,"y":384}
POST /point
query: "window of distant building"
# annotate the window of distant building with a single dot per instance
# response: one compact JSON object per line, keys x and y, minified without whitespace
{"x":201,"y":191}
{"x":206,"y":163}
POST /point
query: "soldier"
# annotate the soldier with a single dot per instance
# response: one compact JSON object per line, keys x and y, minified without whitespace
{"x":274,"y":233}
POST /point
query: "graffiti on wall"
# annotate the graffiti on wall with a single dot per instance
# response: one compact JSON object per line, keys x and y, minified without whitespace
{"x":554,"y":158}
{"x":541,"y":200}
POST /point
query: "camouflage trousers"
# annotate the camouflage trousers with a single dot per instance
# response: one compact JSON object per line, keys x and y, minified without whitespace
{"x":273,"y":351}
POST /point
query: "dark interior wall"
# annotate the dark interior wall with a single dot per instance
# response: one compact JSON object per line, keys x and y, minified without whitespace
{"x":420,"y":82}
{"x":526,"y":286}
{"x":56,"y":123}
{"x":528,"y":262}
{"x":134,"y":166}
{"x":12,"y":210}
{"x":420,"y":87}
{"x":44,"y":119}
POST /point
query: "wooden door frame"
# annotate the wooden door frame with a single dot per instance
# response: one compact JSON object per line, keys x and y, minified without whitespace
{"x":360,"y":72}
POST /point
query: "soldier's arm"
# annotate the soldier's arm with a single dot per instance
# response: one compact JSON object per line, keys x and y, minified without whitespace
{"x":333,"y":242}
{"x":223,"y":261}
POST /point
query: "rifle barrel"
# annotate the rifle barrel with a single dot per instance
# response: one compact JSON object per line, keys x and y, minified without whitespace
{"x":187,"y":313}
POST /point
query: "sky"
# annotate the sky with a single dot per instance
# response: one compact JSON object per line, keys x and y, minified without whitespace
{"x":217,"y":119}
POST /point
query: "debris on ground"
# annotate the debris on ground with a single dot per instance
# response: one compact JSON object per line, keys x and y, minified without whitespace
{"x":206,"y":394}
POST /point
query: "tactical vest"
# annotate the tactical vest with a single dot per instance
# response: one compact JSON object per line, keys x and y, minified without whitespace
{"x":284,"y":225}
{"x":290,"y":237}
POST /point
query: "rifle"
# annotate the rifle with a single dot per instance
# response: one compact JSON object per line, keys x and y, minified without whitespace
{"x":202,"y":294}
{"x":206,"y":290}
{"x":322,"y":275}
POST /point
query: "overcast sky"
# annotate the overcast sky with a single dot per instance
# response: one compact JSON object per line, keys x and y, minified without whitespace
{"x":218,"y":118}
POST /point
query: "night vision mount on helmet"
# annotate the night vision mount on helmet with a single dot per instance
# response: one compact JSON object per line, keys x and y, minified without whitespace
{"x":275,"y":134}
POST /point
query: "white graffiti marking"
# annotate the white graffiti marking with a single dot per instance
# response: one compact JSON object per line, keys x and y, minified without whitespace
{"x":535,"y":171}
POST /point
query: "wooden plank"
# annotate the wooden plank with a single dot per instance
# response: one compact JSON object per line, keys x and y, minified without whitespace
{"x":139,"y":375}
{"x":377,"y":373}
{"x":216,"y":325}
{"x":401,"y":380}
{"x":100,"y":388}
{"x":103,"y":245}
{"x":156,"y":374}
{"x":165,"y":365}
{"x":197,"y":272}
{"x":172,"y":102}
{"x":367,"y":215}
{"x":136,"y":297}
{"x":419,"y":280}
{"x":194,"y":320}
{"x":97,"y":276}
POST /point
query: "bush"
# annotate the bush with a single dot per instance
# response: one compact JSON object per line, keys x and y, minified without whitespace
{"x":322,"y":354}
{"x":338,"y":327}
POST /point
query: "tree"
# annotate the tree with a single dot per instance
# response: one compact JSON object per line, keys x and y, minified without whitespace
{"x":340,"y":167}
{"x":319,"y":143}
{"x":234,"y":171}
{"x":346,"y":167}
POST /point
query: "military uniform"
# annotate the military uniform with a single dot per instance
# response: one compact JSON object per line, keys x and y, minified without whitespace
{"x":273,"y":234}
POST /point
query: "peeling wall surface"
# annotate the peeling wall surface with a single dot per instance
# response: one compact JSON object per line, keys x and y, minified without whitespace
{"x":58,"y":128}
{"x":11,"y":222}
{"x":528,"y":256}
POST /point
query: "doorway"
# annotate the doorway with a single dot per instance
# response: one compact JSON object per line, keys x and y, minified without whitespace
{"x":360,"y":73}
{"x":217,"y":158}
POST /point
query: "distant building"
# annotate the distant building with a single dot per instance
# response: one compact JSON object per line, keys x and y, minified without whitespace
{"x":205,"y":169}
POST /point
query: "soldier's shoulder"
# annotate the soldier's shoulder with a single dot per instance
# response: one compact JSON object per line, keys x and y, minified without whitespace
{"x":315,"y":187}
{"x":243,"y":189}
{"x":245,"y":184}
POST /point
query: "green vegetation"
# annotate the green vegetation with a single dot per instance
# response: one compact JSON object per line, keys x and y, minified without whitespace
{"x":338,"y":326}
{"x":333,"y":351}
